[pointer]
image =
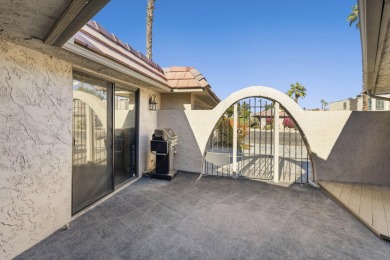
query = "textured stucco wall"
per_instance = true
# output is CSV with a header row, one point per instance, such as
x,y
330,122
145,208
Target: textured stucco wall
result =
x,y
147,125
346,146
175,101
35,147
188,156
361,153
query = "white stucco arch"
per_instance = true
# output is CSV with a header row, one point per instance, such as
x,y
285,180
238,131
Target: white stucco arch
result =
x,y
97,105
321,129
256,91
291,107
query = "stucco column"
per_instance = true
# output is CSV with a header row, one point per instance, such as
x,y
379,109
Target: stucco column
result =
x,y
235,123
373,104
276,140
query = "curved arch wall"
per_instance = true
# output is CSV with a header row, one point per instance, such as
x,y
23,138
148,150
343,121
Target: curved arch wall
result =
x,y
345,146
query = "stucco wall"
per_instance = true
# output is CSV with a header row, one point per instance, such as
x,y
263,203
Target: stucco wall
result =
x,y
361,153
339,105
346,146
188,156
147,125
35,147
175,101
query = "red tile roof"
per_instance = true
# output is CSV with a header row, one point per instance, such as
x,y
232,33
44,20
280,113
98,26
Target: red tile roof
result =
x,y
100,41
270,113
185,78
111,47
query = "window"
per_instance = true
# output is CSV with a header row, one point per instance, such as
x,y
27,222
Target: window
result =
x,y
92,141
369,104
379,104
345,105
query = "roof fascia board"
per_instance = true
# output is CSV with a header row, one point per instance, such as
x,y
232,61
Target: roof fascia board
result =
x,y
113,65
187,90
213,96
86,31
370,16
96,74
381,41
78,13
122,57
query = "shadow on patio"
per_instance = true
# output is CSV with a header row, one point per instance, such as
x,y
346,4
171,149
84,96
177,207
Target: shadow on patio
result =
x,y
214,218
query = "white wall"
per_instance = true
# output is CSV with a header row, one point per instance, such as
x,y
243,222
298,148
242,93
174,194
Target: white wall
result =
x,y
35,147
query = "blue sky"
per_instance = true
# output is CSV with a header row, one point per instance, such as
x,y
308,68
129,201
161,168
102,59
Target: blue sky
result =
x,y
236,44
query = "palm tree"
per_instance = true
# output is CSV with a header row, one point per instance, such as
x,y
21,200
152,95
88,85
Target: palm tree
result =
x,y
297,90
149,27
324,104
353,18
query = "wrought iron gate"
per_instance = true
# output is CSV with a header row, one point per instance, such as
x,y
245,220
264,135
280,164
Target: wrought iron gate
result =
x,y
87,127
262,139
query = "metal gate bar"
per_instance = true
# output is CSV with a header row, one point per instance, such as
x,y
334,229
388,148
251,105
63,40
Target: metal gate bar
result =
x,y
256,144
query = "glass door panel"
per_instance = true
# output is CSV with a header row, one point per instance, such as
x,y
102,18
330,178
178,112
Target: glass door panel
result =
x,y
92,141
125,135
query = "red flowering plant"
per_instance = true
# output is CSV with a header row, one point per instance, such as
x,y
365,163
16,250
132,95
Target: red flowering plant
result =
x,y
288,122
269,121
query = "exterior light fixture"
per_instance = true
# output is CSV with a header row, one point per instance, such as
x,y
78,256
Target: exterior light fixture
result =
x,y
152,102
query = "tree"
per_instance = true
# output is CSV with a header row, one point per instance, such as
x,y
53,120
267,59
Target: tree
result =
x,y
244,110
297,90
324,104
269,106
353,18
149,28
229,112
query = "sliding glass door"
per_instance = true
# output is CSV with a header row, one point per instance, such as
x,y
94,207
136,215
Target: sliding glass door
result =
x,y
104,138
125,135
92,141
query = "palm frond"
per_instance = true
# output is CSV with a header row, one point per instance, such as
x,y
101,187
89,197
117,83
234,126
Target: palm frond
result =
x,y
353,17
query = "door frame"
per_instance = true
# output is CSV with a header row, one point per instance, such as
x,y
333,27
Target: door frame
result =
x,y
111,85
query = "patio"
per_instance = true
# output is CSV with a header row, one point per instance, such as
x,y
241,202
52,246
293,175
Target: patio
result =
x,y
369,203
214,218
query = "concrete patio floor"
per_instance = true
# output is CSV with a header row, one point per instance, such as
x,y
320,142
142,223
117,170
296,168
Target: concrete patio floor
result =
x,y
215,218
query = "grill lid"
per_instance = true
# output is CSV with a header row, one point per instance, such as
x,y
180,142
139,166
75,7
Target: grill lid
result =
x,y
166,133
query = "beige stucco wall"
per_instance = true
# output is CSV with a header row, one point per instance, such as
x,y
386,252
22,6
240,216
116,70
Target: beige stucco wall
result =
x,y
188,156
339,105
147,125
356,104
361,153
334,137
35,147
175,101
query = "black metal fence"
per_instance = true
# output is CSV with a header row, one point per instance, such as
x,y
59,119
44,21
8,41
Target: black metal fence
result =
x,y
256,144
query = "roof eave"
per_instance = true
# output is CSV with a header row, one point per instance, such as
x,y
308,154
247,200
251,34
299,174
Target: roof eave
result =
x,y
79,50
187,90
370,17
73,18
